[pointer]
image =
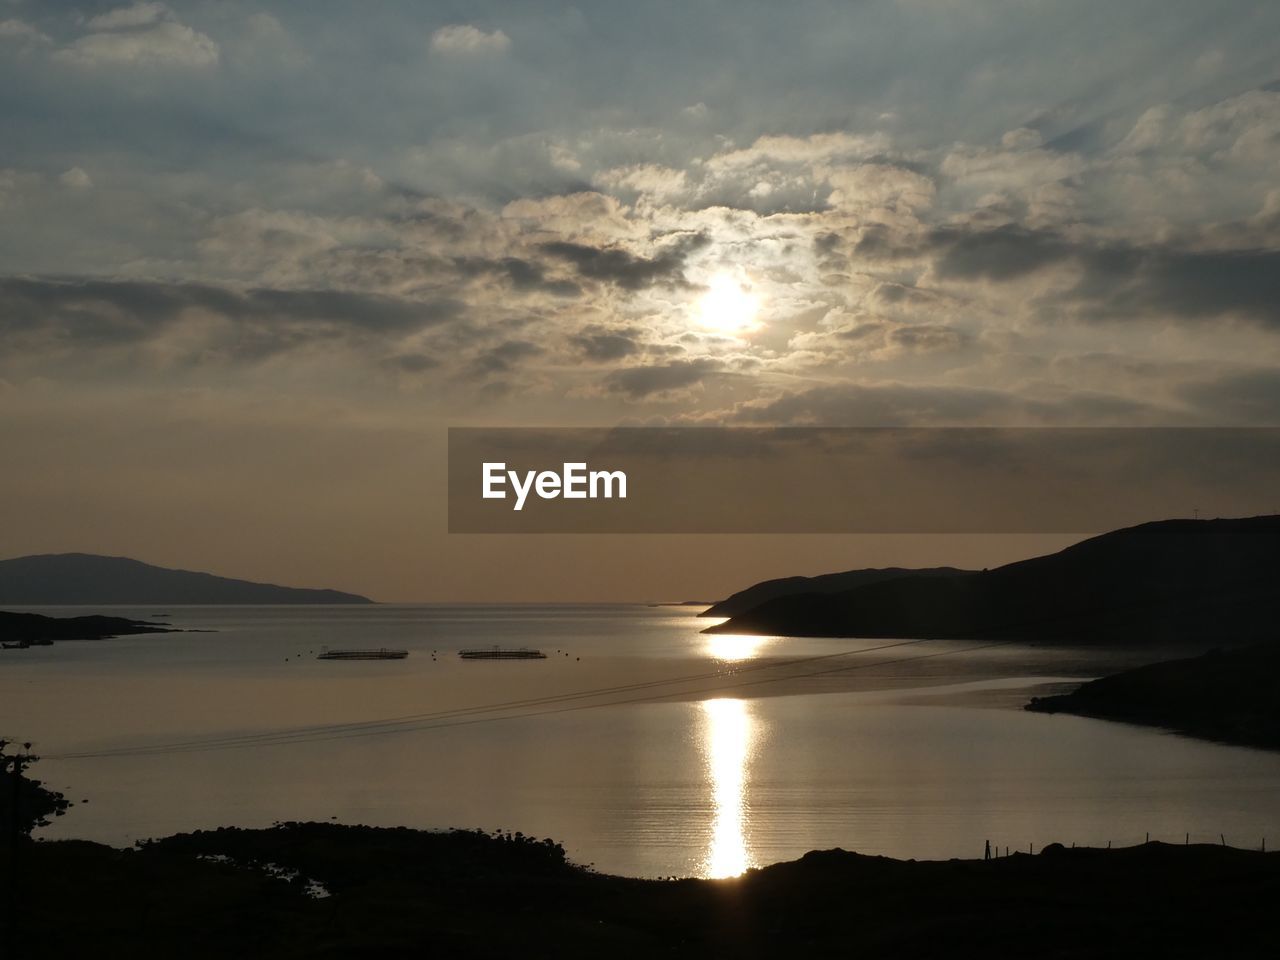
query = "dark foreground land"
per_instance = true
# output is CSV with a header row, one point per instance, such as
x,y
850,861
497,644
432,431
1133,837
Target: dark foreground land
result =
x,y
1228,696
399,893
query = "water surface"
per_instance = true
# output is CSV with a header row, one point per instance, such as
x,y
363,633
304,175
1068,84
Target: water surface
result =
x,y
644,746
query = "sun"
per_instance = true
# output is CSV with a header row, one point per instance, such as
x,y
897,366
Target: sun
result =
x,y
729,306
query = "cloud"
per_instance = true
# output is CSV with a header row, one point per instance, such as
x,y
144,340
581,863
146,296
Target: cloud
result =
x,y
263,41
926,337
1121,280
1019,164
1242,397
602,345
1242,127
966,225
138,15
651,179
523,275
503,357
903,404
1004,253
871,186
22,32
879,405
144,34
413,362
623,268
53,314
817,148
466,40
76,178
638,383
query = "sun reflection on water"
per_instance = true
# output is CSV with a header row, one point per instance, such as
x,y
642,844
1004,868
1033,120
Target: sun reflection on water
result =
x,y
732,647
730,733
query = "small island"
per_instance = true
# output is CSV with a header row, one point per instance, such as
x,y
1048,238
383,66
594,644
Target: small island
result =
x,y
22,630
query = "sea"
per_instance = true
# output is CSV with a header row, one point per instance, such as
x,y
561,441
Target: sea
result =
x,y
643,745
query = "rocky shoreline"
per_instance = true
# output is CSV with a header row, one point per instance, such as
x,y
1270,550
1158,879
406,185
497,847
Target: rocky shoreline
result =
x,y
1224,695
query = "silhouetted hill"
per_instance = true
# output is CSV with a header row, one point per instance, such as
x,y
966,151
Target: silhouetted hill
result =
x,y
1170,581
753,596
83,578
1223,695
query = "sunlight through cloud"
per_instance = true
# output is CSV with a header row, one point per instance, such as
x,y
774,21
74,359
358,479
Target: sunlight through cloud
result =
x,y
730,305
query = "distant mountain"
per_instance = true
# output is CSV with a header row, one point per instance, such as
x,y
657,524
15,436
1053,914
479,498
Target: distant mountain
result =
x,y
753,596
1167,582
82,578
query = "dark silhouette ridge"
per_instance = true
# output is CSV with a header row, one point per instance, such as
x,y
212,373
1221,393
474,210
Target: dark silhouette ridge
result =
x,y
758,593
28,803
1168,582
1229,696
31,629
395,892
83,578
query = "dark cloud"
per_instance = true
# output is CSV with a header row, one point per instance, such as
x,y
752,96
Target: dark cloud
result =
x,y
413,362
1123,281
90,311
523,275
640,382
601,344
1004,253
625,269
876,241
879,405
826,243
503,357
895,294
929,336
365,310
1118,281
1250,397
861,331
900,404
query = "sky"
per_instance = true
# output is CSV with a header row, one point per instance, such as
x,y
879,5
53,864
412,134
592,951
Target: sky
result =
x,y
255,259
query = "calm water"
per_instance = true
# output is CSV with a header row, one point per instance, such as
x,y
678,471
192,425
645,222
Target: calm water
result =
x,y
645,747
